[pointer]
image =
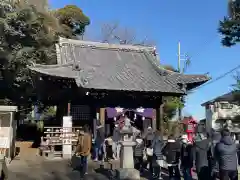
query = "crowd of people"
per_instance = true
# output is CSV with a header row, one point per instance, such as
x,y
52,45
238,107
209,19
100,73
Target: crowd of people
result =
x,y
211,156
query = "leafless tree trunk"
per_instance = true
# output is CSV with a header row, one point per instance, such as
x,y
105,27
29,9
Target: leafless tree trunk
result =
x,y
114,33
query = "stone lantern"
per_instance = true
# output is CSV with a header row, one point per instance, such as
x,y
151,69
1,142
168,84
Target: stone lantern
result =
x,y
127,170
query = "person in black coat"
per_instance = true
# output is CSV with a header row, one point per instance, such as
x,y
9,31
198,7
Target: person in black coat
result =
x,y
226,155
148,136
148,139
138,153
100,144
187,159
201,148
157,160
172,153
213,164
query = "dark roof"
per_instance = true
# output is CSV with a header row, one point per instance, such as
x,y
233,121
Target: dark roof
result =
x,y
202,121
191,81
115,67
229,97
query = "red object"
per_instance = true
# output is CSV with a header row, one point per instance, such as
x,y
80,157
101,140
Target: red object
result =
x,y
189,127
121,122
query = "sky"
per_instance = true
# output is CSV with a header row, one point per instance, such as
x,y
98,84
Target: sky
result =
x,y
166,22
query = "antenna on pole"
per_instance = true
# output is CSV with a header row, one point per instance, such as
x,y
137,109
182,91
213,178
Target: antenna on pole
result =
x,y
182,68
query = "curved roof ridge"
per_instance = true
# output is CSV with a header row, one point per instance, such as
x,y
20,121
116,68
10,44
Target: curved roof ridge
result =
x,y
176,77
93,44
50,66
161,71
180,74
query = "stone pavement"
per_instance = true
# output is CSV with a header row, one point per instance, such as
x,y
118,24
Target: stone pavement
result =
x,y
58,169
39,169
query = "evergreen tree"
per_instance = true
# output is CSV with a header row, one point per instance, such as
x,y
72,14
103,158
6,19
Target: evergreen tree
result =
x,y
229,27
28,36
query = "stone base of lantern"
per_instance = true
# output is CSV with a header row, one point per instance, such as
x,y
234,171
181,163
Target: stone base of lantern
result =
x,y
126,170
128,174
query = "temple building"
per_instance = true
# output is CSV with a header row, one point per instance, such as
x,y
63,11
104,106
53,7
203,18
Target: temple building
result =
x,y
91,76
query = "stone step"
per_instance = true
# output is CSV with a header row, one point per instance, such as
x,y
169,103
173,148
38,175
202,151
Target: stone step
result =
x,y
26,150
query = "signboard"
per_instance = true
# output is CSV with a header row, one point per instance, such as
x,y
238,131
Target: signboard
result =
x,y
67,130
190,127
4,142
67,137
67,121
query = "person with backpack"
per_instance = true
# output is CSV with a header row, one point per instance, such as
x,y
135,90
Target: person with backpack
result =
x,y
83,149
226,155
186,158
172,153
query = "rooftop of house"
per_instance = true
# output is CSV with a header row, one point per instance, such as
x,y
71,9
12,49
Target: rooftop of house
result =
x,y
228,97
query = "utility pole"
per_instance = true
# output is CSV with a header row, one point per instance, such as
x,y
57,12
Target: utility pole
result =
x,y
180,71
182,57
179,57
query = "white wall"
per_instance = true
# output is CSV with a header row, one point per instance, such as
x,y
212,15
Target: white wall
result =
x,y
228,113
217,111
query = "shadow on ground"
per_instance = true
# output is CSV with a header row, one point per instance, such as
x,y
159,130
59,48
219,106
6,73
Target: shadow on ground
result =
x,y
55,176
111,174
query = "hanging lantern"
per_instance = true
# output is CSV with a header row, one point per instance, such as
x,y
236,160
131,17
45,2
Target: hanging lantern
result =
x,y
119,110
140,110
135,117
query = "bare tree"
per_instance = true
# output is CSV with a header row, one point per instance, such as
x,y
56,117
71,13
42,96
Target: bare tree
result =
x,y
114,33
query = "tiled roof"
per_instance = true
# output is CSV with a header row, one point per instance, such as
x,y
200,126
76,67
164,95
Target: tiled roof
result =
x,y
115,67
229,97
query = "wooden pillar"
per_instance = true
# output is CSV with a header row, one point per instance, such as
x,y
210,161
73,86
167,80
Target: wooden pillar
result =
x,y
154,120
159,118
69,109
102,116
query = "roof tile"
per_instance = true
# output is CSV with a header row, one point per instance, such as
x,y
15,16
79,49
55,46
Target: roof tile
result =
x,y
115,67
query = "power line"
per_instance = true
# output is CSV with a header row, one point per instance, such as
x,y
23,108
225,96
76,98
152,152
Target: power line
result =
x,y
207,43
219,77
203,46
